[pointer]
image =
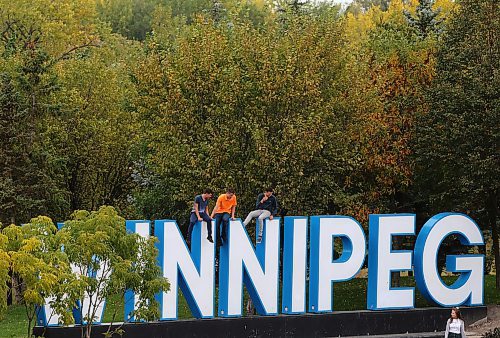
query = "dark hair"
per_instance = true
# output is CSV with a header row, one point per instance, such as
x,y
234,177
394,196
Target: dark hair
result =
x,y
457,312
269,189
208,191
230,190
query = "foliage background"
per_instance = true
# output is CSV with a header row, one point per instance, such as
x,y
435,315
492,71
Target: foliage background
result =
x,y
380,107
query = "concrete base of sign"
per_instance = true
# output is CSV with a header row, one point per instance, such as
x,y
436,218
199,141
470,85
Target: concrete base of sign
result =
x,y
335,324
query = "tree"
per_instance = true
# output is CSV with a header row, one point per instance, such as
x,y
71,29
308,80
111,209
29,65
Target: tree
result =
x,y
66,26
27,83
457,144
133,18
97,243
33,45
42,267
363,6
244,106
65,120
94,133
4,273
394,67
426,20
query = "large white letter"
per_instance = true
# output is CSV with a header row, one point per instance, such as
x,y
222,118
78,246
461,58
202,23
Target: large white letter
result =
x,y
324,270
192,272
382,260
46,316
294,265
258,270
468,288
141,228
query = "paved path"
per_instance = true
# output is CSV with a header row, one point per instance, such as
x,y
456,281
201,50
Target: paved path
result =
x,y
416,335
404,335
475,331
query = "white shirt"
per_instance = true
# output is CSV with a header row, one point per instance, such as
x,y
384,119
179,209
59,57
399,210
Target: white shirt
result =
x,y
455,326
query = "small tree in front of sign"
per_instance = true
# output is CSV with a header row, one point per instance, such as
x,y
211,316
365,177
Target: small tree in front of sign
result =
x,y
109,261
36,258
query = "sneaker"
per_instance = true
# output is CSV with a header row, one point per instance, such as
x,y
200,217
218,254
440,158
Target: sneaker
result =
x,y
210,239
259,239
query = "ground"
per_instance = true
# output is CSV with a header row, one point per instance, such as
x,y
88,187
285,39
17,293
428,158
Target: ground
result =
x,y
484,326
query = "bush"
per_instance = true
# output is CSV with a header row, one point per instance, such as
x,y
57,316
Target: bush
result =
x,y
495,333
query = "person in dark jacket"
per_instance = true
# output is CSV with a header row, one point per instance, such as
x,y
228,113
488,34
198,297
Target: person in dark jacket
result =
x,y
266,207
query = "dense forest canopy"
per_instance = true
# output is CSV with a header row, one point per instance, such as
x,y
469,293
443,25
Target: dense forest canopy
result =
x,y
377,107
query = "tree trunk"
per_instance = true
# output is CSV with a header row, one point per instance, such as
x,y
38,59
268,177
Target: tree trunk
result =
x,y
17,294
496,253
492,218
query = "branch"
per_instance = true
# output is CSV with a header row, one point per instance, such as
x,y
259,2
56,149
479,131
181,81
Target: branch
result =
x,y
66,54
97,294
30,36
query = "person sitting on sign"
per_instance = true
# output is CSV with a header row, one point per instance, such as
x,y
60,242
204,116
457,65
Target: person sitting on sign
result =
x,y
200,213
223,211
266,207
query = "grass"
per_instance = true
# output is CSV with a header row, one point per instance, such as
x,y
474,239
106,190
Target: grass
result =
x,y
15,324
348,296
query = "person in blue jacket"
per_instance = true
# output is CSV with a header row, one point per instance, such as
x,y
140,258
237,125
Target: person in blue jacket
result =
x,y
266,207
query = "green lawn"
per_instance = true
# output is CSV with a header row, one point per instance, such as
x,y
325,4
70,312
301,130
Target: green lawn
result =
x,y
15,324
349,295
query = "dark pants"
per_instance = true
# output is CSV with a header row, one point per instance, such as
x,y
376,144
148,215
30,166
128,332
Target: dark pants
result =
x,y
222,218
192,221
454,335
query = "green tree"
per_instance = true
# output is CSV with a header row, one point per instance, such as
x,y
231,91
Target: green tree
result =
x,y
248,107
362,6
29,178
66,124
37,38
96,128
98,242
426,20
394,67
64,27
457,149
133,18
42,267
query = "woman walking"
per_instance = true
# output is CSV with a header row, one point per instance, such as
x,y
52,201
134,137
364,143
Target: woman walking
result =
x,y
455,326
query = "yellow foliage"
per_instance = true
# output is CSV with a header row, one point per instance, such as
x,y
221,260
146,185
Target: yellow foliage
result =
x,y
259,3
64,24
448,7
31,244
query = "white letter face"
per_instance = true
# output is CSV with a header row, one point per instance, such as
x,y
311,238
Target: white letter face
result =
x,y
46,316
239,264
141,228
324,270
468,288
294,265
382,260
192,271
